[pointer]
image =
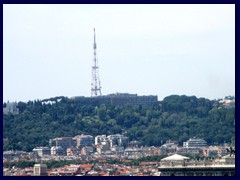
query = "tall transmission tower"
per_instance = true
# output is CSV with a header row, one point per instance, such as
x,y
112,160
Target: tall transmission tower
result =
x,y
95,86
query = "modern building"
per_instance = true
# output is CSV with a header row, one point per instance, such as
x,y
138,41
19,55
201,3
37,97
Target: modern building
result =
x,y
84,140
193,151
42,151
64,142
216,151
72,151
57,150
102,144
195,143
87,150
118,140
119,99
40,170
100,138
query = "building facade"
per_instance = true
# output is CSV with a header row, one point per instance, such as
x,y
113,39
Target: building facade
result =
x,y
57,150
64,142
11,107
42,151
84,140
177,165
40,170
117,140
195,143
119,99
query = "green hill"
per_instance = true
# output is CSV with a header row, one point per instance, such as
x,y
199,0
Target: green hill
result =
x,y
176,117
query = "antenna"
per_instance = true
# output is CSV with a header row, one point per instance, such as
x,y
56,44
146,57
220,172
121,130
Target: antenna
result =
x,y
95,86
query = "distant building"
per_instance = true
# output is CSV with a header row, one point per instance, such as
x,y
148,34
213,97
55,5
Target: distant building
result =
x,y
118,140
103,146
195,143
57,150
100,138
40,170
41,151
193,151
133,144
119,150
10,155
84,140
133,100
64,142
87,150
11,107
228,102
169,147
72,151
104,143
133,153
222,151
119,99
177,165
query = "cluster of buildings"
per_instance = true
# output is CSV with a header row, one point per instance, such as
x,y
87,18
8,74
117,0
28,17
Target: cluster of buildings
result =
x,y
173,165
212,160
117,99
98,169
117,146
194,146
84,145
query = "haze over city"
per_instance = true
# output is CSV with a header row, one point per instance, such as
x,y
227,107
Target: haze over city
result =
x,y
144,49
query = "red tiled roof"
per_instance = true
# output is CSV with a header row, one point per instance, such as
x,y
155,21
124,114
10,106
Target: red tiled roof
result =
x,y
105,175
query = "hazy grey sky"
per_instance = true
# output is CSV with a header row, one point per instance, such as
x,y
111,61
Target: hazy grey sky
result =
x,y
144,49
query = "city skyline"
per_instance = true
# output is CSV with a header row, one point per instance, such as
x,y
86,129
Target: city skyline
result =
x,y
145,49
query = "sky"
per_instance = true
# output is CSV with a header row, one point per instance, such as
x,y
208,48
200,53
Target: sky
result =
x,y
162,50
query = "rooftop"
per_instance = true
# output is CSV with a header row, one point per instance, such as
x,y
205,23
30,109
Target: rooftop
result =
x,y
175,157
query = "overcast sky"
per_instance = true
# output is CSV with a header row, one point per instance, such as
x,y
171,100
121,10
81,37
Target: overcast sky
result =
x,y
145,49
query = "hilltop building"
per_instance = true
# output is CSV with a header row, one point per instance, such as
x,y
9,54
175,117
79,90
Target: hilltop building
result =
x,y
11,107
119,99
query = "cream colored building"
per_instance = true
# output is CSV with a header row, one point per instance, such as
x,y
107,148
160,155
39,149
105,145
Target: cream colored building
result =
x,y
177,165
40,170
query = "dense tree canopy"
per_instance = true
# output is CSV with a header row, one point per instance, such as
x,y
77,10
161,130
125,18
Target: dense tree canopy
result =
x,y
177,118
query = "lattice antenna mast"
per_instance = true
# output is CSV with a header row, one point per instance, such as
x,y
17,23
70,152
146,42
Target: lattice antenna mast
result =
x,y
96,88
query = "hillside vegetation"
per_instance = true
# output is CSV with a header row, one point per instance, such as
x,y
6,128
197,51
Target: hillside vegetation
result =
x,y
176,117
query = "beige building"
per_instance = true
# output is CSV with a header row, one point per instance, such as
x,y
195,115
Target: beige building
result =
x,y
40,170
177,165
